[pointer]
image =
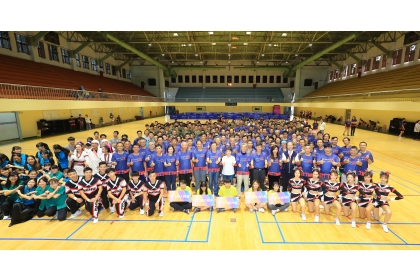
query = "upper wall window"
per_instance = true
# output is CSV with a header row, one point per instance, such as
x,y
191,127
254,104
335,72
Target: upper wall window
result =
x,y
5,40
22,43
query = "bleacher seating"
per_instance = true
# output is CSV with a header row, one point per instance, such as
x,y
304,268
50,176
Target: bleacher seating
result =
x,y
26,72
401,79
229,94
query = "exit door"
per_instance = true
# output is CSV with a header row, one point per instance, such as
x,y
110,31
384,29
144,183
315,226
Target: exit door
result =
x,y
141,111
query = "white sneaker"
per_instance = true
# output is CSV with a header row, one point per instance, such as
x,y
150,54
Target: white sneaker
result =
x,y
251,210
6,217
55,216
353,224
261,210
321,206
141,211
77,213
95,221
316,218
385,227
285,210
273,212
161,214
382,211
121,216
303,217
111,209
337,222
368,225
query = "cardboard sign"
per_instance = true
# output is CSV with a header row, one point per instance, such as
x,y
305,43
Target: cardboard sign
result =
x,y
256,197
179,196
227,202
202,200
278,198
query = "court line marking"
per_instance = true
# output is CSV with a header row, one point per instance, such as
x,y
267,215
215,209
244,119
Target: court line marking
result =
x,y
149,221
189,227
99,240
333,223
413,169
278,226
340,243
208,231
396,158
259,227
395,234
78,228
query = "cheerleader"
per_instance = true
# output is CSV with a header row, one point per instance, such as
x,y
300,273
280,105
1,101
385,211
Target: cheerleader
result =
x,y
56,200
382,191
348,192
314,188
117,191
296,185
366,191
4,161
78,159
41,146
329,190
18,150
103,177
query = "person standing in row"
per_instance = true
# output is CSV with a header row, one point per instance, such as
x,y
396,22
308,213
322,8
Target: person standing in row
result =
x,y
417,130
353,125
259,163
200,166
288,158
185,164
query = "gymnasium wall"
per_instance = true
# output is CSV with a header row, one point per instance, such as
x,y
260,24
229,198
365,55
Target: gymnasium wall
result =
x,y
220,107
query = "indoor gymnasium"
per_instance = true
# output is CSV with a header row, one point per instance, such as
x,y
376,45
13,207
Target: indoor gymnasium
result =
x,y
210,139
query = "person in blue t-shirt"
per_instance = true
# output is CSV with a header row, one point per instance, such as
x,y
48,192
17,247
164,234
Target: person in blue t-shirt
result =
x,y
365,158
171,162
306,162
62,156
136,162
119,160
326,161
214,157
350,164
274,167
200,164
25,209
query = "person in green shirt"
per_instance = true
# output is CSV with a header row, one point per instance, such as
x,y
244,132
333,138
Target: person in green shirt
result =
x,y
56,173
9,194
203,190
277,207
57,200
227,191
40,196
182,206
255,206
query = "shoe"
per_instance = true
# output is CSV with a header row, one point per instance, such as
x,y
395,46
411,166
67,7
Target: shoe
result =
x,y
222,210
95,220
251,210
382,211
234,210
55,216
111,210
303,217
161,214
141,211
5,217
337,222
353,224
217,210
316,218
321,207
368,225
273,212
385,227
197,210
77,213
186,211
285,210
261,210
121,216
211,208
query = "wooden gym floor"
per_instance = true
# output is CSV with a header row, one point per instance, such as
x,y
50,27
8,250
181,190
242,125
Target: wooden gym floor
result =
x,y
243,230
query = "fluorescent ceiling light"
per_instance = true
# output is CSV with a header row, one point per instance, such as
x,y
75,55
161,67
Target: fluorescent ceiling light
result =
x,y
284,34
175,34
248,33
211,32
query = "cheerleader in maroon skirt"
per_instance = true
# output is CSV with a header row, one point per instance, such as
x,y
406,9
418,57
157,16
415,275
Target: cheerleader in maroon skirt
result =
x,y
365,199
314,188
296,186
329,190
348,192
382,191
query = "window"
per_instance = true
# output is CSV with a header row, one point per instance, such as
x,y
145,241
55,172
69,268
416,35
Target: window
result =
x,y
285,80
353,69
229,79
200,79
397,57
124,73
214,79
85,61
5,40
257,79
376,62
207,79
236,79
194,79
264,79
180,79
384,58
113,70
243,79
21,43
409,53
187,79
251,79
367,64
128,74
108,68
41,49
173,80
53,52
94,66
331,75
222,79
52,37
278,79
346,71
335,74
271,80
65,56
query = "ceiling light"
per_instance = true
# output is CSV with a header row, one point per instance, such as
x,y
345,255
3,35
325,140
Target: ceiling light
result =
x,y
248,33
163,54
284,34
175,34
287,61
269,45
228,61
233,47
258,62
196,54
235,38
245,44
201,62
183,45
276,45
296,54
262,54
189,45
150,45
310,44
172,61
213,44
211,32
228,54
229,45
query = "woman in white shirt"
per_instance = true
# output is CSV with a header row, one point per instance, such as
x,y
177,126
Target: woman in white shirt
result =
x,y
78,159
322,126
106,156
228,162
417,130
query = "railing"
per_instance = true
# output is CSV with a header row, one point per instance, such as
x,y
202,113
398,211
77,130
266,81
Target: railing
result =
x,y
234,99
412,94
14,91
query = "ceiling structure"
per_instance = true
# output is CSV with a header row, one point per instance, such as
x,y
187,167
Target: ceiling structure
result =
x,y
289,49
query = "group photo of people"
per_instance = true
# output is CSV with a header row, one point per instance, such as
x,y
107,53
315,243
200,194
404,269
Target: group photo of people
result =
x,y
322,174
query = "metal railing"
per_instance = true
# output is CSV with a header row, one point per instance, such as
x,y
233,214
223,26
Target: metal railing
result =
x,y
15,91
412,94
233,99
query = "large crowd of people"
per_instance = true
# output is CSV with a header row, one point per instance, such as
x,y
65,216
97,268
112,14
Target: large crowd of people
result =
x,y
224,158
